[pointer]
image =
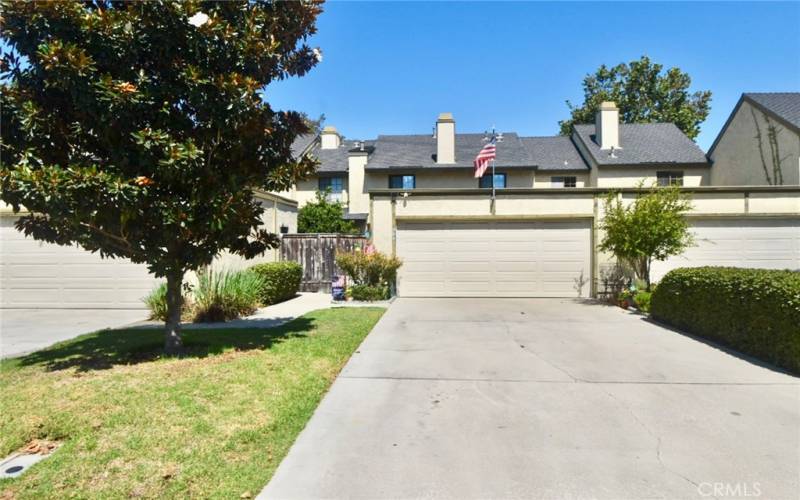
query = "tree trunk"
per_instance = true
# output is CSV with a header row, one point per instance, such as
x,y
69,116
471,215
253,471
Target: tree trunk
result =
x,y
173,344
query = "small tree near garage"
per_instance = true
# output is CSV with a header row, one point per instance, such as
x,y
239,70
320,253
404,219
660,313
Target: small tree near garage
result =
x,y
139,130
653,227
324,216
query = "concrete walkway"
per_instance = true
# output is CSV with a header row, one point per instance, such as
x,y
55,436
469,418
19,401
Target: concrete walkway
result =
x,y
545,399
276,315
27,330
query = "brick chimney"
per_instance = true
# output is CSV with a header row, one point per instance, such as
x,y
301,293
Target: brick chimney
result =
x,y
606,126
330,138
445,139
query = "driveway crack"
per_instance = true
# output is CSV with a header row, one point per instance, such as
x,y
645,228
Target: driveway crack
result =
x,y
654,436
539,356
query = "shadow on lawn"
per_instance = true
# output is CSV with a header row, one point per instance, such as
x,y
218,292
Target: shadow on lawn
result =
x,y
106,348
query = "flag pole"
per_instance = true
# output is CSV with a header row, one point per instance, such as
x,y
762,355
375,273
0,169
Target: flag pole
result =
x,y
492,179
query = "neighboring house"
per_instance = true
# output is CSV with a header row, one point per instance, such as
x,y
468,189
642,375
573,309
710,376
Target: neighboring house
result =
x,y
760,142
538,238
35,274
607,154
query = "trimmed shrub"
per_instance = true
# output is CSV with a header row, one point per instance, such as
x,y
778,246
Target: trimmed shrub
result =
x,y
368,293
281,280
369,269
756,311
224,295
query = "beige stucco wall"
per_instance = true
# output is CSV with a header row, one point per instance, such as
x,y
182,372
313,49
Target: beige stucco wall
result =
x,y
606,177
461,178
276,213
306,191
544,179
737,161
358,197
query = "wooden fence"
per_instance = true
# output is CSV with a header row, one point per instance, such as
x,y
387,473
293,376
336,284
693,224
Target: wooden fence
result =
x,y
317,253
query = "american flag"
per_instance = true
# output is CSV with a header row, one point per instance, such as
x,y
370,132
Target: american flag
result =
x,y
486,155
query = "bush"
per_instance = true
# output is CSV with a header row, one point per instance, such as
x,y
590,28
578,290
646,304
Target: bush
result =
x,y
281,280
368,293
756,311
324,216
225,295
156,301
642,301
374,269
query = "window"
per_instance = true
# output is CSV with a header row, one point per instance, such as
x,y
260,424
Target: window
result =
x,y
336,186
670,178
402,182
499,180
569,181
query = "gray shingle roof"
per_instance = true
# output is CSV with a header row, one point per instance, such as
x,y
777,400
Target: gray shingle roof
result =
x,y
644,143
554,153
335,160
651,143
418,151
301,144
786,105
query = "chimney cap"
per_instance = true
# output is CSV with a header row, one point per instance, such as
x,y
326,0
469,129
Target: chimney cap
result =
x,y
330,129
609,105
445,117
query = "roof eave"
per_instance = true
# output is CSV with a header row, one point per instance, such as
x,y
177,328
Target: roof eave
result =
x,y
687,164
444,167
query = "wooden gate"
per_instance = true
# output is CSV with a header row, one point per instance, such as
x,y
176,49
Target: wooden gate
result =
x,y
317,254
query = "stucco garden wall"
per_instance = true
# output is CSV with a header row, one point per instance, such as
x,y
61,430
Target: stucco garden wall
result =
x,y
555,204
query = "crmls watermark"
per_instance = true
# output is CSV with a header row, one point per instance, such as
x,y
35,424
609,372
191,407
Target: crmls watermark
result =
x,y
729,490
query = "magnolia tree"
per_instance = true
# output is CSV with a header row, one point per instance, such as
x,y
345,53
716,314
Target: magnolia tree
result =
x,y
139,130
652,227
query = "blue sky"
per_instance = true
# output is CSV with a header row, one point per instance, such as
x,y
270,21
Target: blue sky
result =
x,y
392,67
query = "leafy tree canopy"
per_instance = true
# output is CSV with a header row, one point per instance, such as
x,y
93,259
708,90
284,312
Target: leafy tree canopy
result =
x,y
644,93
652,227
324,216
139,129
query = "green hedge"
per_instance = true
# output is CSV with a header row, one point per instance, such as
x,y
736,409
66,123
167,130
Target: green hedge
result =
x,y
368,293
282,281
756,311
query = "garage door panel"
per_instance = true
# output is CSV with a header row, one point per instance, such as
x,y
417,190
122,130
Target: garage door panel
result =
x,y
495,259
516,267
44,275
753,243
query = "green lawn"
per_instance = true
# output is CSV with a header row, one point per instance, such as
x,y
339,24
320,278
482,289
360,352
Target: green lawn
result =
x,y
213,424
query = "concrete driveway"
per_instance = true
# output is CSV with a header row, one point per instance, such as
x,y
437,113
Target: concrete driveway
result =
x,y
26,330
507,398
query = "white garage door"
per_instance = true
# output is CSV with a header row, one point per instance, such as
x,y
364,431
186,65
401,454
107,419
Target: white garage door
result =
x,y
494,259
763,243
40,275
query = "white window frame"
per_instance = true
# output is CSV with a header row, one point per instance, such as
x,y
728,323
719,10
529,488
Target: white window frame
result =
x,y
560,181
669,178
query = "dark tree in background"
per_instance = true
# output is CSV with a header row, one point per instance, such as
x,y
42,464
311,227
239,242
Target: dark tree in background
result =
x,y
139,129
644,93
